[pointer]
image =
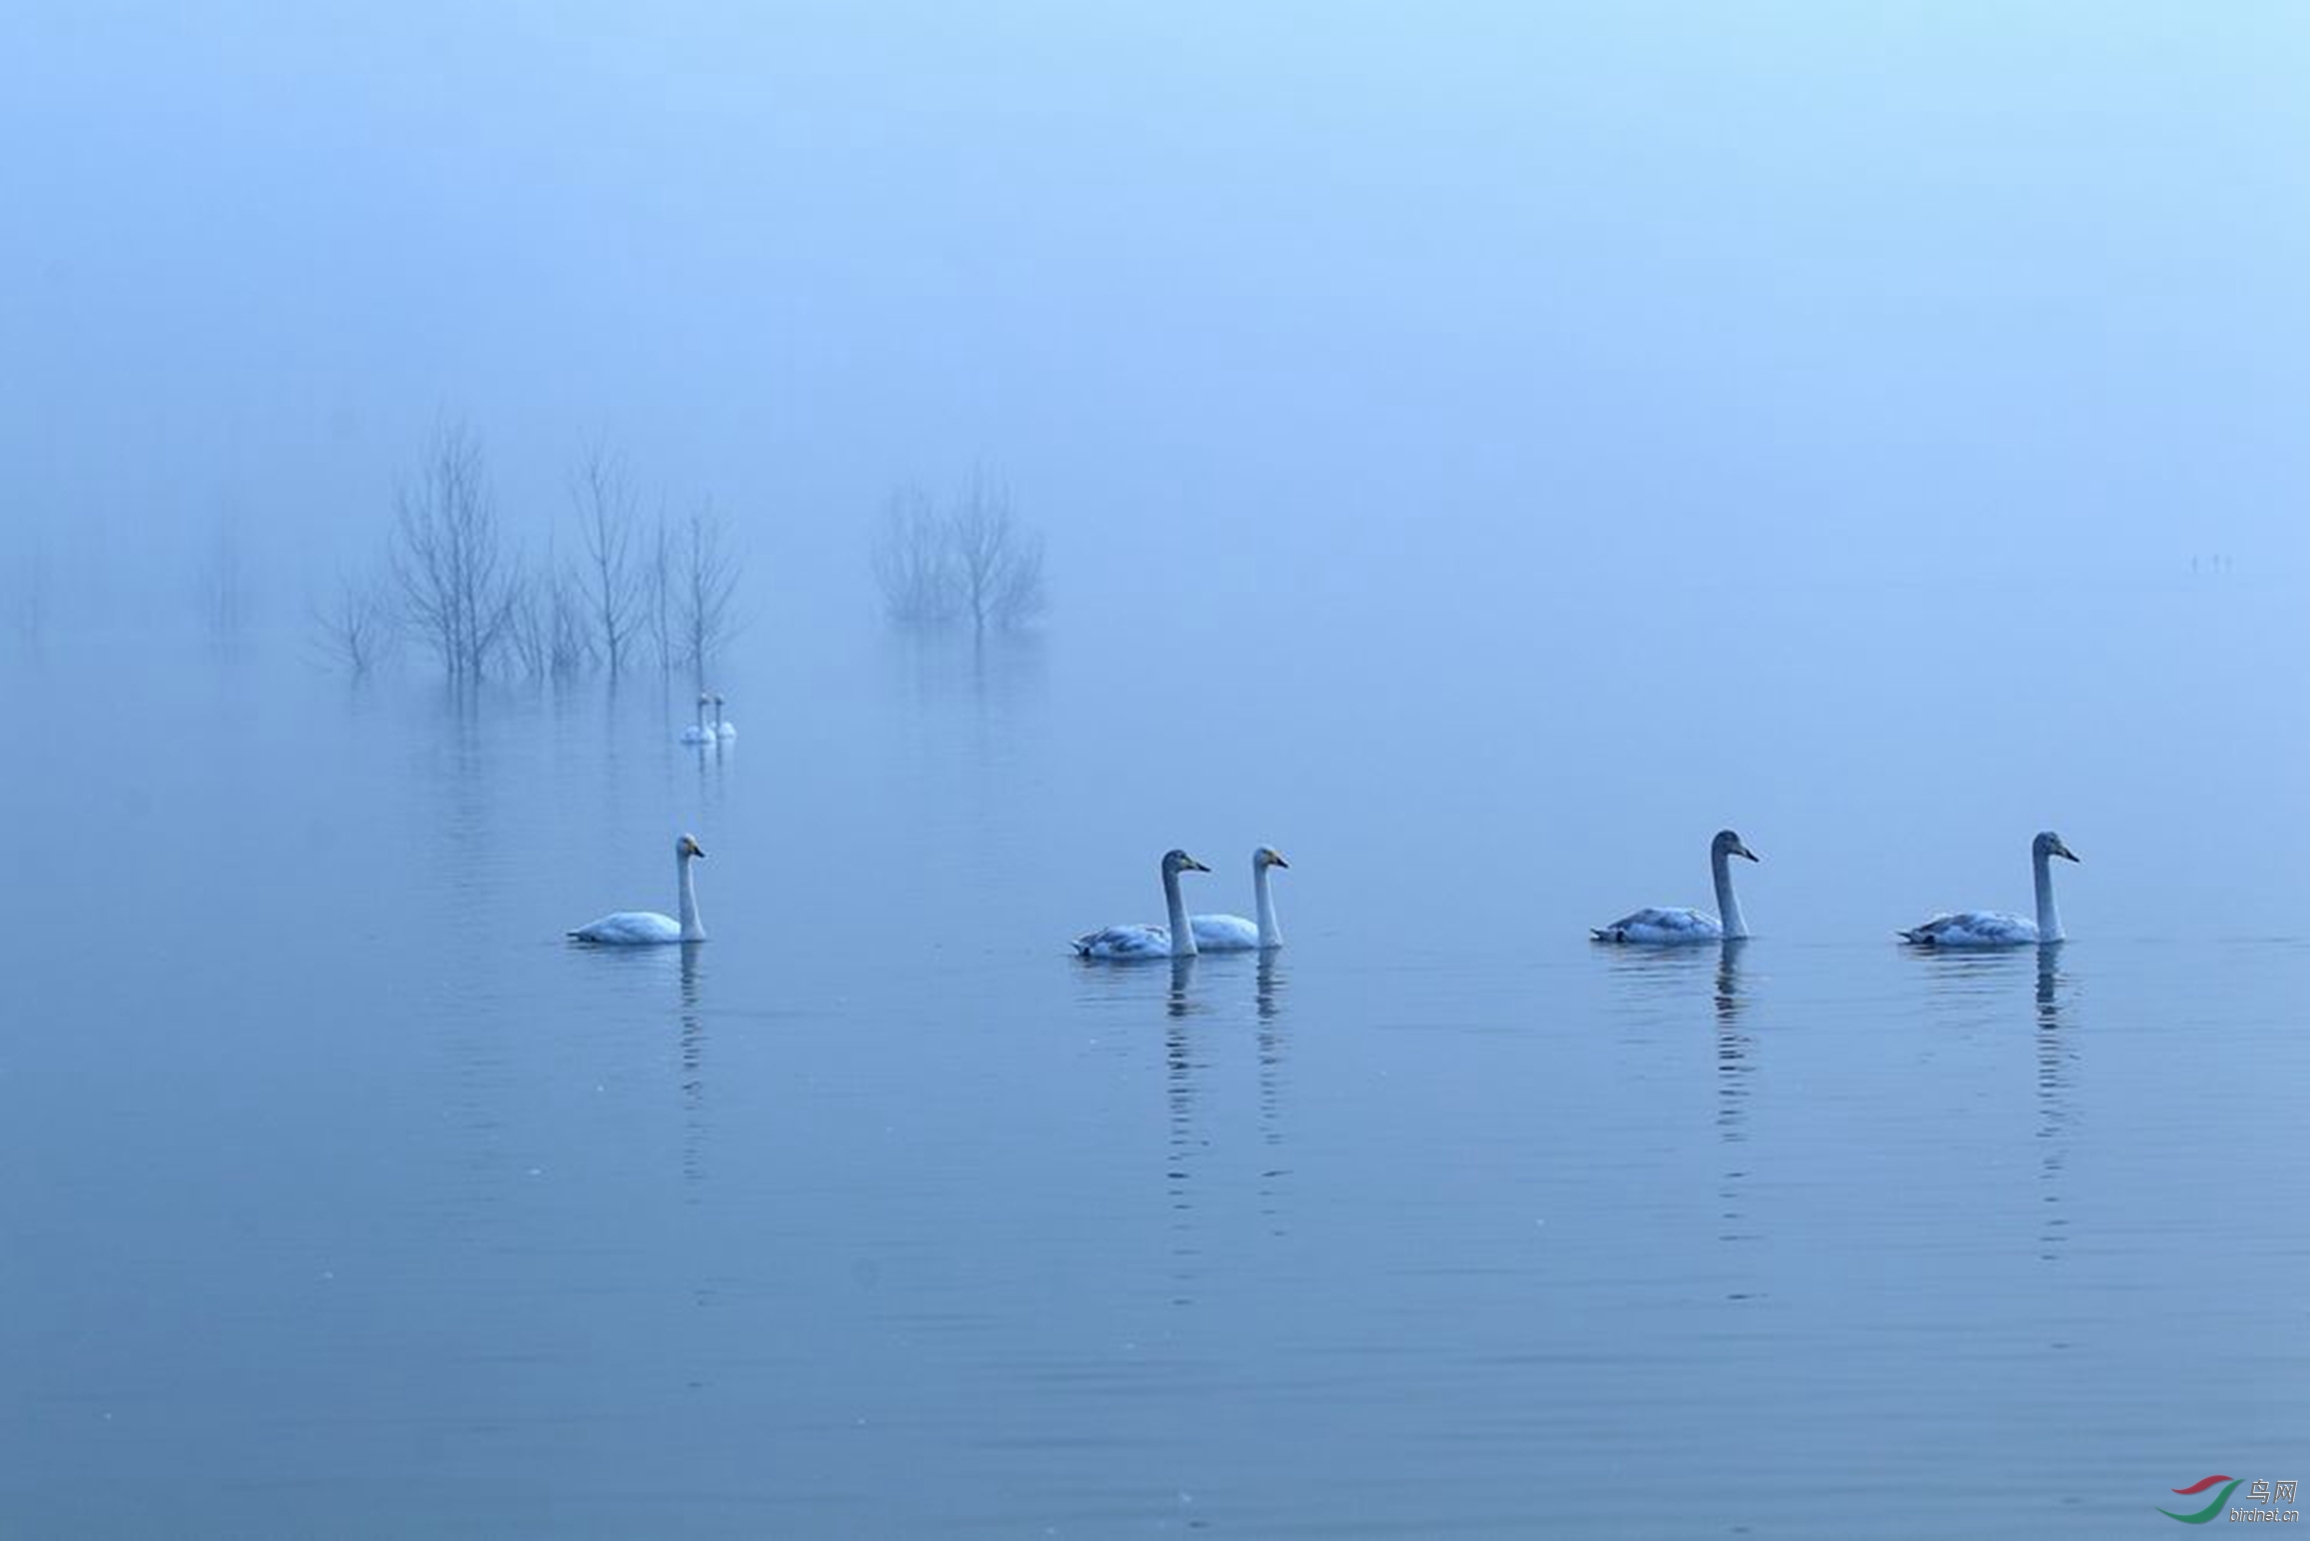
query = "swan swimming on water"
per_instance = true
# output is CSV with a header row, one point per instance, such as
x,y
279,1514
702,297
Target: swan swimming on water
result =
x,y
722,727
699,732
637,928
1995,928
1232,933
1150,941
1657,927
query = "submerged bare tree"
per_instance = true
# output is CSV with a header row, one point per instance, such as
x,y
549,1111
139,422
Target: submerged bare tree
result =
x,y
29,597
615,587
550,632
706,600
998,562
910,560
354,627
975,561
456,586
657,587
222,581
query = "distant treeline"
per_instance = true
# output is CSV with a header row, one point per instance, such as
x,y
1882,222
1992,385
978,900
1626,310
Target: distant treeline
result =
x,y
660,590
969,561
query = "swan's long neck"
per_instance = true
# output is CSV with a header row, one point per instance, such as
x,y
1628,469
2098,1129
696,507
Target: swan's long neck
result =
x,y
2048,918
693,930
1728,907
1270,933
1182,932
717,716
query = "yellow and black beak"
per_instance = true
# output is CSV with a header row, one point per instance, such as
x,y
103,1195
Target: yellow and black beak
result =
x,y
1275,859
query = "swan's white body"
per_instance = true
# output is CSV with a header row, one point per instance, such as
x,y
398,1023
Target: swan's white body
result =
x,y
1996,928
723,728
699,732
1150,941
1669,927
641,928
1232,933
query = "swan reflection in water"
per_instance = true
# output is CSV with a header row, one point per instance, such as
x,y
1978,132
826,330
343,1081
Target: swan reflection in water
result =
x,y
2057,1055
1734,1049
1267,1001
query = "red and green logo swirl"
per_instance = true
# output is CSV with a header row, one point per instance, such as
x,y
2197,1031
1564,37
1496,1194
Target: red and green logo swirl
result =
x,y
2211,1509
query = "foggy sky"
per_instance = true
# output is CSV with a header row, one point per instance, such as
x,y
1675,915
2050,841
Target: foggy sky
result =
x,y
1592,285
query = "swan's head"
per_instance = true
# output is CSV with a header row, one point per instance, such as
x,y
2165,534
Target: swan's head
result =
x,y
1267,856
1727,843
685,848
705,699
2049,844
720,699
1176,862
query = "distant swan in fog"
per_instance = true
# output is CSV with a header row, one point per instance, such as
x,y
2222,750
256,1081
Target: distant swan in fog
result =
x,y
1232,933
699,732
1662,927
1994,928
722,727
1150,941
635,928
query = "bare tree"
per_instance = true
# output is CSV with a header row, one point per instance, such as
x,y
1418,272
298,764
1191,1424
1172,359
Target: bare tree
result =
x,y
525,624
657,584
550,633
456,586
997,562
31,597
570,646
614,579
222,581
354,627
706,601
911,561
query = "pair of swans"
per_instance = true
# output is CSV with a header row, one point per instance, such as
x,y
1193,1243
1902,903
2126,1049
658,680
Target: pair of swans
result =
x,y
714,732
647,928
1187,935
1966,928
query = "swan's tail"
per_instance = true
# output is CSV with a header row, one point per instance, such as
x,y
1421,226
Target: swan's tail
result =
x,y
1606,934
1920,936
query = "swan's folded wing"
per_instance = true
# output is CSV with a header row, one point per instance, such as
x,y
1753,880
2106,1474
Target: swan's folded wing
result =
x,y
1225,933
1658,925
629,927
1125,942
1973,928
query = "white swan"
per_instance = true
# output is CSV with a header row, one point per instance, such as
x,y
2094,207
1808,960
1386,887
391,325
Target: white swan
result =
x,y
1662,927
722,728
638,928
698,732
1994,928
1150,941
1232,933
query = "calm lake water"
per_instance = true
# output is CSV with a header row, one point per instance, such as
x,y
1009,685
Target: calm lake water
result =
x,y
342,1197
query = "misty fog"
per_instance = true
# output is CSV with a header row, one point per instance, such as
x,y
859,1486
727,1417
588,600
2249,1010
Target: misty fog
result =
x,y
1479,450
